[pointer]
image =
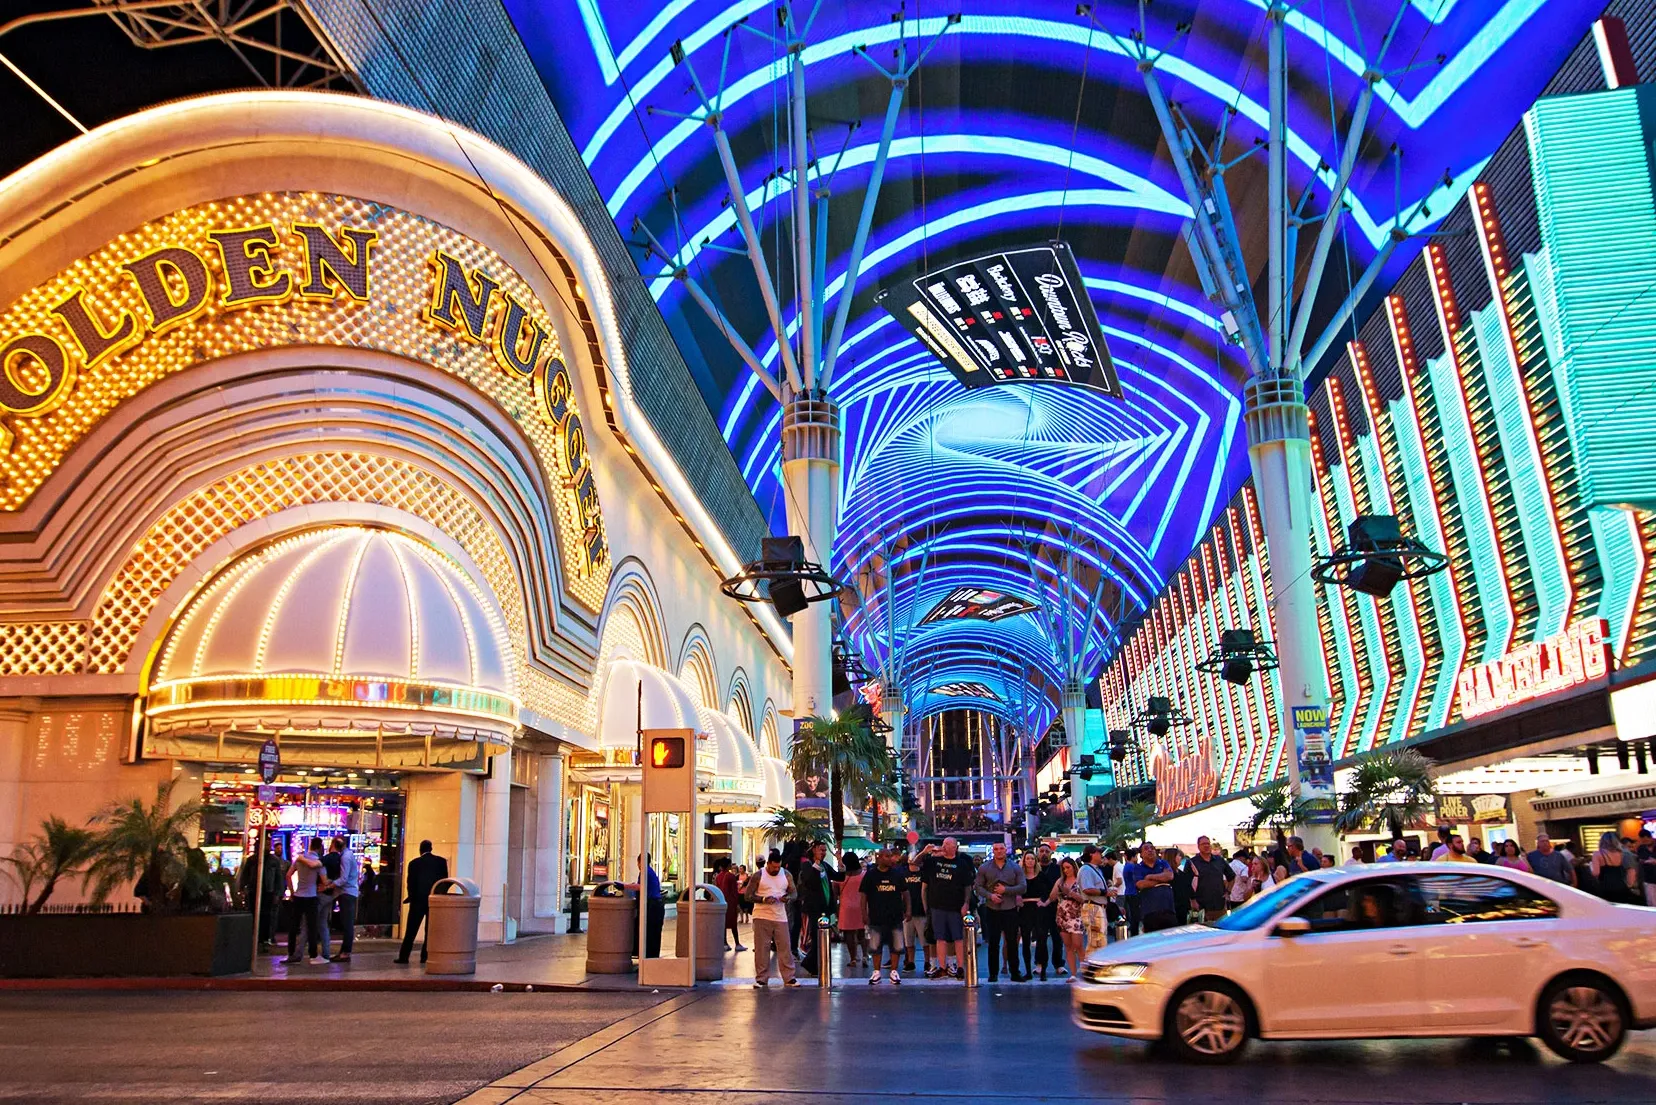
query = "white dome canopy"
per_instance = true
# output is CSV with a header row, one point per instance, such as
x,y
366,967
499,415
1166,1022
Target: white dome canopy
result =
x,y
343,603
735,754
639,695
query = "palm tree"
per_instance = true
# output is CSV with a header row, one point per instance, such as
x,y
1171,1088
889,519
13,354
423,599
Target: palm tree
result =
x,y
149,842
800,825
1395,789
1275,807
1129,825
57,850
858,763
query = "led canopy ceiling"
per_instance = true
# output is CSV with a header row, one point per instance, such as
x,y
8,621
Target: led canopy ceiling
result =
x,y
1027,122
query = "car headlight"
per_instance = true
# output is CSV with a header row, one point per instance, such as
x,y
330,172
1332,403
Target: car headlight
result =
x,y
1101,974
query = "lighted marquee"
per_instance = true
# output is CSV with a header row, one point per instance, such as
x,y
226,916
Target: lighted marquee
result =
x,y
282,269
1574,658
1023,315
965,689
977,602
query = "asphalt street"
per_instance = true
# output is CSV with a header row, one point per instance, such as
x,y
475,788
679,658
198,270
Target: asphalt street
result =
x,y
720,1046
269,1048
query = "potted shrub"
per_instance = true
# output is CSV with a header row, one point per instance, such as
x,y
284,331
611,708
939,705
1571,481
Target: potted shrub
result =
x,y
182,927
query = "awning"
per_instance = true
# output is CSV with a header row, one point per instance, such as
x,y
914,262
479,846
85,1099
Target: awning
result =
x,y
731,757
779,784
665,704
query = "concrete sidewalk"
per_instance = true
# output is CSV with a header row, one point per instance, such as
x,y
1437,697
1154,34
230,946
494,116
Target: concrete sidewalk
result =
x,y
541,962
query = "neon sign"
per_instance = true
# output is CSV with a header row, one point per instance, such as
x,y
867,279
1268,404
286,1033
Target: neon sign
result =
x,y
1579,655
1182,784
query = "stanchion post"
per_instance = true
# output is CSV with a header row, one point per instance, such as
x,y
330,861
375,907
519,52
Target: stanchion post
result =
x,y
825,953
258,893
969,968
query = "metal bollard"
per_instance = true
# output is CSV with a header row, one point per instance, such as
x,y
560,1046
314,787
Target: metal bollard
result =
x,y
825,953
968,947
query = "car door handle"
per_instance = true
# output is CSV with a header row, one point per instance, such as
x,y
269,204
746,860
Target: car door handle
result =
x,y
1400,949
1527,942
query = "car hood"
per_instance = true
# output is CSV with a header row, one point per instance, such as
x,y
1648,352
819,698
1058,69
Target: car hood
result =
x,y
1151,945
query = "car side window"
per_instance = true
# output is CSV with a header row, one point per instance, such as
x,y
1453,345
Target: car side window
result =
x,y
1469,899
1369,904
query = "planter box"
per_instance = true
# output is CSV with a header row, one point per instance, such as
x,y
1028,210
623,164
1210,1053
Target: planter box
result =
x,y
100,945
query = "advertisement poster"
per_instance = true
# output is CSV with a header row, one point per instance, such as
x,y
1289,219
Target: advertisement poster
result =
x,y
1316,770
811,788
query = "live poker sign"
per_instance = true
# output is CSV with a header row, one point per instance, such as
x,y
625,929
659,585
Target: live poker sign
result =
x,y
1013,317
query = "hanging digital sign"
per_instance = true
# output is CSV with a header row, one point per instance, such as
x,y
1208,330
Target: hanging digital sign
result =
x,y
1020,316
964,690
977,602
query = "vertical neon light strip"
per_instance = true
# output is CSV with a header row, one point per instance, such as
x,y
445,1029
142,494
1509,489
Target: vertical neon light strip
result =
x,y
1259,733
1466,463
1535,493
1276,753
1338,480
1217,592
1343,644
1381,479
1248,735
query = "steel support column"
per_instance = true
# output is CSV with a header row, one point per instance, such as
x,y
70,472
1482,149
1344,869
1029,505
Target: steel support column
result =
x,y
1074,703
810,469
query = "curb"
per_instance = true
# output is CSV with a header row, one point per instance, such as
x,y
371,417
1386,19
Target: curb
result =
x,y
302,985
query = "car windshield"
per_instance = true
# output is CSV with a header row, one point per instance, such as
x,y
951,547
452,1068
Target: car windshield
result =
x,y
1266,906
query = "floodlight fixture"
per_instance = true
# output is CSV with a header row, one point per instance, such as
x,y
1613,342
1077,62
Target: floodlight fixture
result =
x,y
1376,557
782,577
1238,656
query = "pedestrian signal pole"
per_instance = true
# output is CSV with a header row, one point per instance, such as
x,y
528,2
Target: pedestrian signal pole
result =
x,y
669,776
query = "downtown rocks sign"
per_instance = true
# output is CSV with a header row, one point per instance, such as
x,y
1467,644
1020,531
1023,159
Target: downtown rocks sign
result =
x,y
285,269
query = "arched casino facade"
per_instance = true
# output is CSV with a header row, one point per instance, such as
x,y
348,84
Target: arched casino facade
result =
x,y
316,425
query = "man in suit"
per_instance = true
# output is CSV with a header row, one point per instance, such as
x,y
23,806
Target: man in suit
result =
x,y
424,872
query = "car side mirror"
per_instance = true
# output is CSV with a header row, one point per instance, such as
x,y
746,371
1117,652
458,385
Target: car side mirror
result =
x,y
1292,926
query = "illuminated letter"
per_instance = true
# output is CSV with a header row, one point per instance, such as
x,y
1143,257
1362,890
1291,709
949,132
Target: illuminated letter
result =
x,y
452,286
157,288
325,257
574,443
586,498
95,345
16,394
250,275
509,339
552,389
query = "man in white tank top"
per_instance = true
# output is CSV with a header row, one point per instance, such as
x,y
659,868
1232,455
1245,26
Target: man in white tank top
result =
x,y
770,891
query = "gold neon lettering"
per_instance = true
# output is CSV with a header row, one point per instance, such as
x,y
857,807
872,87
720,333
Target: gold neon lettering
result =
x,y
552,388
96,344
453,287
49,359
329,258
157,274
517,330
250,273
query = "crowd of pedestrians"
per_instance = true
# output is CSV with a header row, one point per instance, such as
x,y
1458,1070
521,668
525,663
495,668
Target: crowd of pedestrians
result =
x,y
898,912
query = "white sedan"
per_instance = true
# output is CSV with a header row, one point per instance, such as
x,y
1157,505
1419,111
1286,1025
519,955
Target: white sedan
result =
x,y
1412,949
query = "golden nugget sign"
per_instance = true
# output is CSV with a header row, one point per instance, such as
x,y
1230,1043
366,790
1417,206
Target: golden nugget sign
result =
x,y
252,273
1179,786
1580,654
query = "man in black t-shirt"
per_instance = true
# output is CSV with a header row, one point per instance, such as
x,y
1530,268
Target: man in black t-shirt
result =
x,y
948,874
1212,877
916,924
882,890
1040,887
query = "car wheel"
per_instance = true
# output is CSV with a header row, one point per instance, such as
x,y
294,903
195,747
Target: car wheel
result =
x,y
1583,1019
1207,1023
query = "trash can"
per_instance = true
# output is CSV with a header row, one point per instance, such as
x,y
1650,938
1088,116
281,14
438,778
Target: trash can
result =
x,y
708,903
451,928
612,929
